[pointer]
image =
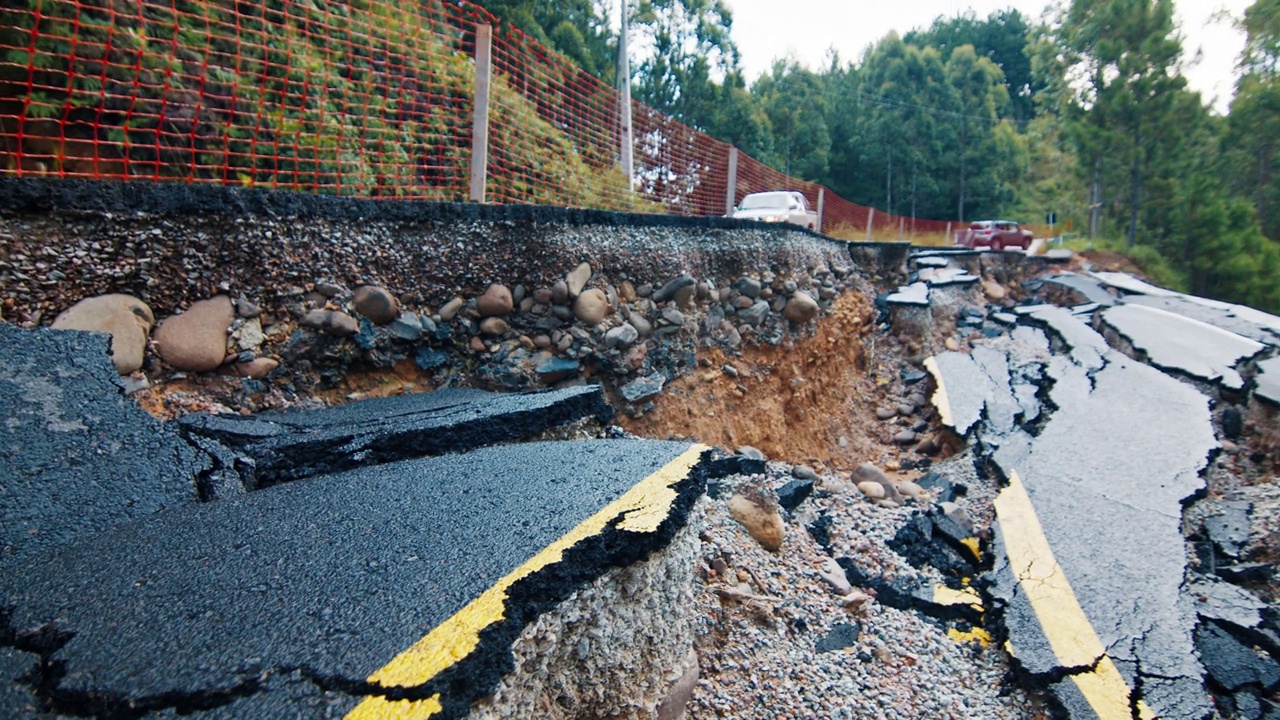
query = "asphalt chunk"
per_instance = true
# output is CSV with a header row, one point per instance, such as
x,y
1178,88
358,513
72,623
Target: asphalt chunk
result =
x,y
336,576
1232,665
297,444
1240,319
962,390
841,636
76,455
973,387
1268,381
1087,347
1091,289
1173,342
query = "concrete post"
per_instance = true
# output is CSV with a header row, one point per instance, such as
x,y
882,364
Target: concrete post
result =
x,y
948,241
871,222
625,140
731,187
821,197
480,122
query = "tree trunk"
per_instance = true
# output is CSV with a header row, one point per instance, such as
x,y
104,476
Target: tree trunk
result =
x,y
888,185
1095,199
1264,179
964,143
1135,185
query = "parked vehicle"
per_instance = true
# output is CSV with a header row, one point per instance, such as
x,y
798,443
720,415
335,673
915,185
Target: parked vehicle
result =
x,y
778,206
995,234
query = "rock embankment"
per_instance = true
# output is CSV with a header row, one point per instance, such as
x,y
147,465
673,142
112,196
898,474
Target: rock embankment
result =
x,y
296,305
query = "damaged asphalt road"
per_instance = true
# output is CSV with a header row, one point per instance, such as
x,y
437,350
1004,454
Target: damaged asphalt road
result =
x,y
139,576
1090,578
310,587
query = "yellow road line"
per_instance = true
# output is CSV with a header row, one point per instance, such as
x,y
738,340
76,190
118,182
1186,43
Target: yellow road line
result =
x,y
642,509
1073,639
940,399
943,595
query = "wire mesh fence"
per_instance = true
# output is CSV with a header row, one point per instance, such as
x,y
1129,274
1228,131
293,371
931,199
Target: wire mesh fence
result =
x,y
371,98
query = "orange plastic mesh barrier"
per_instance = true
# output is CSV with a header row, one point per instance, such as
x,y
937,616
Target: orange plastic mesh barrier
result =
x,y
371,98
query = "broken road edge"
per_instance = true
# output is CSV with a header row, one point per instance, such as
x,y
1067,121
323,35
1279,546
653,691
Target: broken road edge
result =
x,y
464,658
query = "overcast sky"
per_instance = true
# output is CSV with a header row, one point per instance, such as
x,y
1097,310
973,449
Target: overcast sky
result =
x,y
805,29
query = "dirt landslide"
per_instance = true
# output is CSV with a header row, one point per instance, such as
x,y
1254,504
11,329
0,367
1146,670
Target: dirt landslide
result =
x,y
811,401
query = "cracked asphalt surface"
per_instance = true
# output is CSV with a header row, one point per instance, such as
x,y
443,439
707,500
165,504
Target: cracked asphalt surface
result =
x,y
140,578
324,579
1090,575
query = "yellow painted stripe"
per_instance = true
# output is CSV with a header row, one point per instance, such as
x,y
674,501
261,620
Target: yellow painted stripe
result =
x,y
943,595
978,635
940,399
1073,639
641,510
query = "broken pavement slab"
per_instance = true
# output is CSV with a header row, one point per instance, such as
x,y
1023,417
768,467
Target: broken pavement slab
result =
x,y
1174,342
1112,518
1240,319
406,580
76,455
1086,346
1268,381
966,388
1089,288
299,443
914,294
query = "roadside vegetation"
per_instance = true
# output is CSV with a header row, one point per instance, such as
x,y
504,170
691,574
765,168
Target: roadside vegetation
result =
x,y
1084,112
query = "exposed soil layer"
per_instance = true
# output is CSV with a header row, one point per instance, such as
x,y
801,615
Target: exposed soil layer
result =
x,y
812,401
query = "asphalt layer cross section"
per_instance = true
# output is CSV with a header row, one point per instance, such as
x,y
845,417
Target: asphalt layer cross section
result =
x,y
296,444
316,595
76,455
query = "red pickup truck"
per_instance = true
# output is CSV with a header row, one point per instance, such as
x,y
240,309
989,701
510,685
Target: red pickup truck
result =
x,y
995,234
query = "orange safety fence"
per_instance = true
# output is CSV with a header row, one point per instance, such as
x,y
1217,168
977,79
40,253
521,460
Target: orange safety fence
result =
x,y
370,98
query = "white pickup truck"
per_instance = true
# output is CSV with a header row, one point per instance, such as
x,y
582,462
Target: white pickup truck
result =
x,y
778,206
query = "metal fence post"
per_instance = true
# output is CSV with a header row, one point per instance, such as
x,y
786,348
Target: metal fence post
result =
x,y
871,222
480,122
821,196
731,189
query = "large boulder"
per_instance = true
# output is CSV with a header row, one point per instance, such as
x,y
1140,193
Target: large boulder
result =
x,y
495,301
196,340
592,306
125,318
376,303
330,322
577,279
801,308
760,517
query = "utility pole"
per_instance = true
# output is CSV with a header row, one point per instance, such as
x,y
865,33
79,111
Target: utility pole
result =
x,y
624,102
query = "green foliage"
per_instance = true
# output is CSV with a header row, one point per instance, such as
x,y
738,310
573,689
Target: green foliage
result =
x,y
1157,269
792,100
353,98
1001,38
689,46
1262,32
577,29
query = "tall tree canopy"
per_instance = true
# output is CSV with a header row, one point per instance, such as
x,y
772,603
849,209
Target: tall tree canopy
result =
x,y
686,52
1000,38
